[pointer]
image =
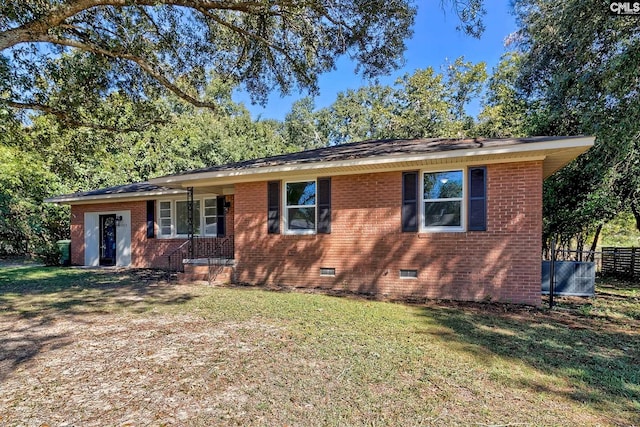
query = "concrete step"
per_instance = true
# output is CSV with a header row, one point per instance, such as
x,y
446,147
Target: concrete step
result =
x,y
220,275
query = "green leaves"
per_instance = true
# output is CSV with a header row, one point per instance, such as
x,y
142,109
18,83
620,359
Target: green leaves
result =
x,y
505,113
48,158
577,74
142,48
422,104
146,48
24,222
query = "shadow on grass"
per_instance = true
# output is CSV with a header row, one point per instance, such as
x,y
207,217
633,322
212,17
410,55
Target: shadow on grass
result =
x,y
20,344
45,291
617,283
33,298
598,362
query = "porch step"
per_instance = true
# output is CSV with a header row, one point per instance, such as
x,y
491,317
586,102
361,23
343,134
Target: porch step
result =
x,y
220,274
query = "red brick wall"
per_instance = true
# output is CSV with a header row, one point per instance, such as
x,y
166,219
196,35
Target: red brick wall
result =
x,y
145,252
367,247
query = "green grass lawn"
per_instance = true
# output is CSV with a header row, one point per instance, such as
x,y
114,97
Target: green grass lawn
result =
x,y
246,356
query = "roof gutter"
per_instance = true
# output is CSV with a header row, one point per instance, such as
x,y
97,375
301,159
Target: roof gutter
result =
x,y
114,196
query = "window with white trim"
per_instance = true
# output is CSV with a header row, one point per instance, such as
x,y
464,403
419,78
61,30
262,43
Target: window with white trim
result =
x,y
300,207
182,214
165,218
442,200
173,217
210,217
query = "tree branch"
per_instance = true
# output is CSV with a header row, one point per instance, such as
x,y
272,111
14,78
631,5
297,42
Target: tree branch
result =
x,y
142,63
57,15
247,34
64,117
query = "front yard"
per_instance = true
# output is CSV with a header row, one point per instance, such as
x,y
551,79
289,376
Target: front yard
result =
x,y
123,347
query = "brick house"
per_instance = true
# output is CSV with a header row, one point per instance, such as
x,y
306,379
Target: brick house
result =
x,y
430,218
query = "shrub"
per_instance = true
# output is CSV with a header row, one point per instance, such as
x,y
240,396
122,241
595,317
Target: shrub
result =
x,y
48,253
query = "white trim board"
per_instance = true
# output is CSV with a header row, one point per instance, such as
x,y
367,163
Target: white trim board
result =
x,y
92,238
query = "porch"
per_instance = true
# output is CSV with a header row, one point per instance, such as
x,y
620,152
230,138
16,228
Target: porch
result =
x,y
202,258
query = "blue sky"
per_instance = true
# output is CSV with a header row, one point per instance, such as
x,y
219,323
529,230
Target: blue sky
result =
x,y
435,42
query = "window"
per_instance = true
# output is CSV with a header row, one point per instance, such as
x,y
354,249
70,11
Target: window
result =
x,y
165,218
442,200
210,217
445,200
182,217
326,271
408,274
300,207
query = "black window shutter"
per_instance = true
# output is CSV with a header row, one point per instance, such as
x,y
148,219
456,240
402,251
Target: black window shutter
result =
x,y
410,201
220,202
324,205
151,219
273,213
477,199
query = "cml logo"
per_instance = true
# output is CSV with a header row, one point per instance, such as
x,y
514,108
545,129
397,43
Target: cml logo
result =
x,y
624,8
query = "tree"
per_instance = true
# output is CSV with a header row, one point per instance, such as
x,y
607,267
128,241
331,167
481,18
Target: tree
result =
x,y
45,158
579,75
52,49
505,111
25,223
138,47
302,127
89,158
434,105
420,105
365,113
465,81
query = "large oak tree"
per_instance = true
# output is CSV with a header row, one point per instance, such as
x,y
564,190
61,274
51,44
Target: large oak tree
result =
x,y
62,56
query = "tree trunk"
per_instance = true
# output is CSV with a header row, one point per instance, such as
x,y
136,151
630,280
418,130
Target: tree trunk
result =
x,y
636,214
579,247
594,244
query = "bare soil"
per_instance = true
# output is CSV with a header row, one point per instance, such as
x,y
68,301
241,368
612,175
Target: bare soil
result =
x,y
101,364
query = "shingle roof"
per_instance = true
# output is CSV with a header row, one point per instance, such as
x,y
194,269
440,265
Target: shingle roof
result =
x,y
373,151
371,148
117,190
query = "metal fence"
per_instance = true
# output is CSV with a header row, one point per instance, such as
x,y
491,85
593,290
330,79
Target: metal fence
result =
x,y
621,262
200,247
568,272
570,255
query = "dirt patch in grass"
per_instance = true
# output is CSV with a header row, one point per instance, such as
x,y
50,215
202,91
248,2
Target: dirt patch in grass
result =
x,y
125,347
119,370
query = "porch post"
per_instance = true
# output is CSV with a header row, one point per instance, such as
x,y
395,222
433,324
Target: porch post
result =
x,y
190,220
